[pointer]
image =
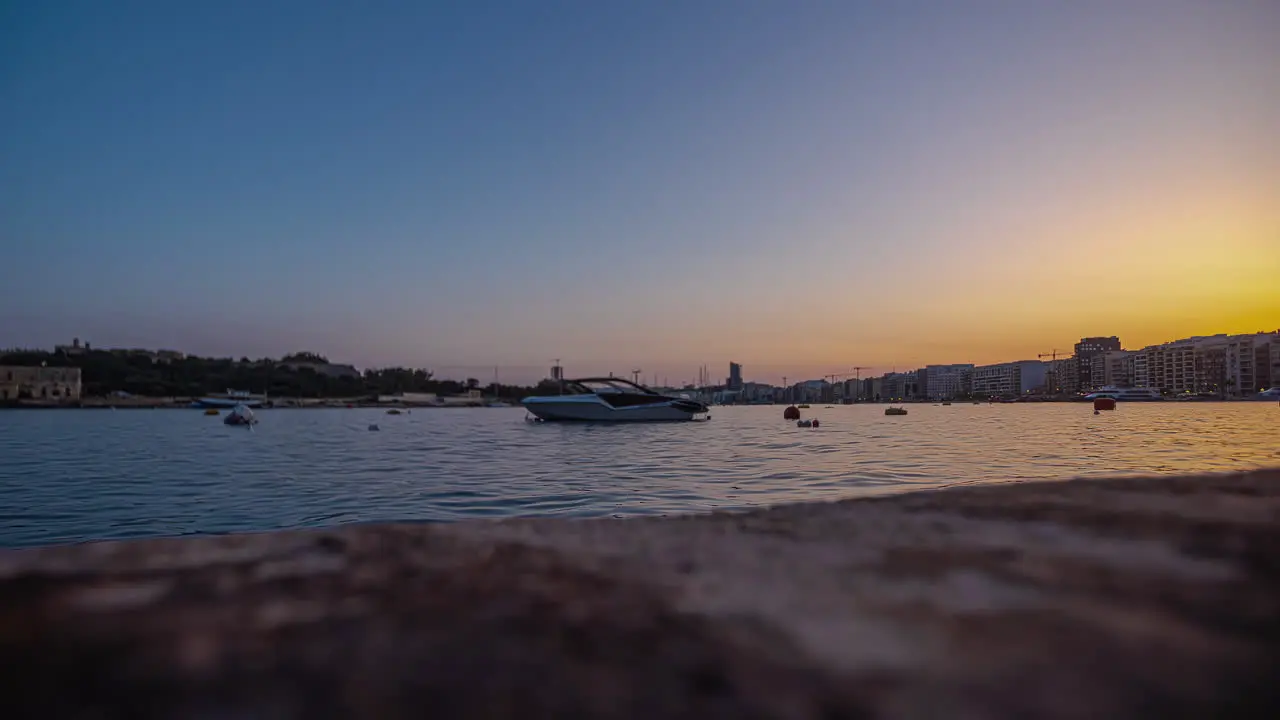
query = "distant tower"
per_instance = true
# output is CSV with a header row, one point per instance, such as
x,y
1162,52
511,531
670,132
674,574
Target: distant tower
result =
x,y
735,376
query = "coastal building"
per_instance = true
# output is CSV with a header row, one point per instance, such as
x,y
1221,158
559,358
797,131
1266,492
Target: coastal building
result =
x,y
39,383
1273,366
758,392
735,376
333,370
72,350
1248,364
1063,377
1085,350
946,381
872,388
163,357
1113,368
1171,367
1141,368
1211,368
1012,378
810,391
900,385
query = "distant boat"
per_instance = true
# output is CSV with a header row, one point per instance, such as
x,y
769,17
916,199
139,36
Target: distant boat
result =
x,y
240,415
1125,394
230,399
895,411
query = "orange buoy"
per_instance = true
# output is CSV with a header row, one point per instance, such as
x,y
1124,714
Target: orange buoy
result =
x,y
1104,403
791,413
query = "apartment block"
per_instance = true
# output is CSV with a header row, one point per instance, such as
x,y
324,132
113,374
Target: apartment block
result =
x,y
1141,368
1112,368
1232,366
1012,378
945,381
900,386
1172,366
1248,363
1085,351
1063,376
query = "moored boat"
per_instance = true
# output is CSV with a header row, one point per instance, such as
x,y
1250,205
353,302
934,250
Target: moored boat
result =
x,y
240,415
1125,394
230,399
612,400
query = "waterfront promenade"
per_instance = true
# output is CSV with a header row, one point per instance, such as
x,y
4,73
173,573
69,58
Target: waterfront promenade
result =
x,y
1117,598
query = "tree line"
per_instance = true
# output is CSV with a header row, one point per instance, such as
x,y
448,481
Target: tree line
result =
x,y
104,372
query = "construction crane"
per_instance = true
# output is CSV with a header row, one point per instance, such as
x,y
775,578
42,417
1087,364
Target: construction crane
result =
x,y
1054,383
856,375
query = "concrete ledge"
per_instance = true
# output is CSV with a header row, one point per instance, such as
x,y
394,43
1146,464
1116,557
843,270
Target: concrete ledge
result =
x,y
1153,597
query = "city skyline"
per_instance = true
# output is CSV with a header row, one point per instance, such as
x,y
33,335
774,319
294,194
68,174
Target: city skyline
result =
x,y
704,374
798,188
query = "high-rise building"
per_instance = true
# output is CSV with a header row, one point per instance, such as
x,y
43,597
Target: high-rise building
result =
x,y
1086,349
735,376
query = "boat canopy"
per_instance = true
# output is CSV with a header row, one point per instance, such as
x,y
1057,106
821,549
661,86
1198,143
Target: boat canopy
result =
x,y
591,386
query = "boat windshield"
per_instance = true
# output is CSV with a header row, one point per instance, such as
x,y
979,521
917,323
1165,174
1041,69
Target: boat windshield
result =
x,y
606,385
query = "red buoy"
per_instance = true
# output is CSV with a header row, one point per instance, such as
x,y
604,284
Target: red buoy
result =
x,y
791,413
1104,403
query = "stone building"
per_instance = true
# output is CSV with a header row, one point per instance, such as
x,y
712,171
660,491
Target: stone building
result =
x,y
39,383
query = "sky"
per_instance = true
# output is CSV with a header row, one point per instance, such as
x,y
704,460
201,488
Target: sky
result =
x,y
802,187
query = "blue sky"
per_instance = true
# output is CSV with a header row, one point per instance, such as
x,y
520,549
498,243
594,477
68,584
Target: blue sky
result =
x,y
798,185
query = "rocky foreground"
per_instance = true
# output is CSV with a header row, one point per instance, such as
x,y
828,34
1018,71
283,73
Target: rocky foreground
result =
x,y
1132,598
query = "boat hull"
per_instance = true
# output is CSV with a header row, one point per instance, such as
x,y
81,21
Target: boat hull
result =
x,y
226,403
571,408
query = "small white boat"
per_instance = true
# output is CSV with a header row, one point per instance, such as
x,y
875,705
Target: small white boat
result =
x,y
230,399
240,415
1125,394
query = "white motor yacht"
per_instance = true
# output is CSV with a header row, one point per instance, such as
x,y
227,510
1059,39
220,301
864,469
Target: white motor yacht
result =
x,y
1125,394
612,400
230,399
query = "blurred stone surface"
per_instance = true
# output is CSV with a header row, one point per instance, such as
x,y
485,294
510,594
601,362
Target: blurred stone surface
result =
x,y
1146,597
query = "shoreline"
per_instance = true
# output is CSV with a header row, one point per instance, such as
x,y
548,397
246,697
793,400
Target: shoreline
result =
x,y
1092,598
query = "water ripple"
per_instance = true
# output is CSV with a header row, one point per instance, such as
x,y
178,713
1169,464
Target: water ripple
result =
x,y
69,476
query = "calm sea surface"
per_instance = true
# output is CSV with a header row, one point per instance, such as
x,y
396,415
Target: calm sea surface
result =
x,y
73,475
